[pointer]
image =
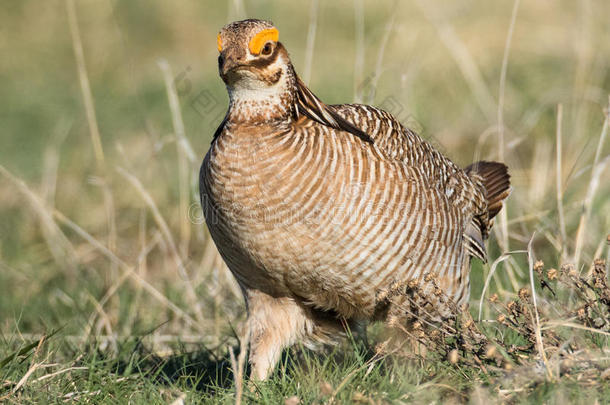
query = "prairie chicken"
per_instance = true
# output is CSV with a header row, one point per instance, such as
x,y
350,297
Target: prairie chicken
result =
x,y
318,208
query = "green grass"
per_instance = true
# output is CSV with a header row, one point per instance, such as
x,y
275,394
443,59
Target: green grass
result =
x,y
129,326
133,373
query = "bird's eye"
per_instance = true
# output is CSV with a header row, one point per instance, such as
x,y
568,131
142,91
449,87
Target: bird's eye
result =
x,y
267,49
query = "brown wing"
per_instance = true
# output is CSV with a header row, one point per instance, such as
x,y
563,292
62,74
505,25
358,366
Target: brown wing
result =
x,y
399,142
479,189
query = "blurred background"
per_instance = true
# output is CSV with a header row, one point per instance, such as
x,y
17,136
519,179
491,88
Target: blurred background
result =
x,y
100,229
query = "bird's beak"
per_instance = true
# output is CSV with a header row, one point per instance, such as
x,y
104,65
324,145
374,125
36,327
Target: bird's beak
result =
x,y
227,61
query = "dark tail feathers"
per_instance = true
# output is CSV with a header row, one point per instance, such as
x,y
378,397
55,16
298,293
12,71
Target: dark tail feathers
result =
x,y
496,181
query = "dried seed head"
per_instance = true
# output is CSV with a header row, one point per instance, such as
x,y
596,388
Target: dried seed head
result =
x,y
567,268
490,351
493,298
524,294
453,356
392,321
380,348
539,266
416,325
395,286
599,267
501,318
582,313
428,277
382,295
552,274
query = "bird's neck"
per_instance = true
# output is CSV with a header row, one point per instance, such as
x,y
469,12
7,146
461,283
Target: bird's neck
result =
x,y
251,102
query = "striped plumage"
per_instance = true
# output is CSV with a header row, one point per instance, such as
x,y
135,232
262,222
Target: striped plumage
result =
x,y
316,208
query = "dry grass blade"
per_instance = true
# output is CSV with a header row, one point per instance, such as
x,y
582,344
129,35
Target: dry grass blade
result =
x,y
25,350
596,172
237,10
118,283
164,228
502,228
154,339
184,151
49,189
105,321
359,43
34,366
559,179
84,83
239,365
76,395
311,39
59,372
61,248
539,342
492,271
554,324
468,67
509,38
51,162
92,122
26,377
125,267
381,51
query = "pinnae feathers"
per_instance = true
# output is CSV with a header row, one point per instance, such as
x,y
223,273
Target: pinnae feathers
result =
x,y
311,106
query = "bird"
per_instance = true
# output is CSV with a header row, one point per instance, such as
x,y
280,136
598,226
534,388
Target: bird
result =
x,y
317,209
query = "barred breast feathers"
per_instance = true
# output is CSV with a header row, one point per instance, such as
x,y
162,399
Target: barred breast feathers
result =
x,y
287,107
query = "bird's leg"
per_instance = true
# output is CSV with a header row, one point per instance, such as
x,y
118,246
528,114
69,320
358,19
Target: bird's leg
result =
x,y
275,323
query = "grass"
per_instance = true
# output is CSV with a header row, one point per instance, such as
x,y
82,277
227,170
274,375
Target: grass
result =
x,y
111,291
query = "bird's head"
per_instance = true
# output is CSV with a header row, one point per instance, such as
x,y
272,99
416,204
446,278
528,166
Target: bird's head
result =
x,y
252,63
262,84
